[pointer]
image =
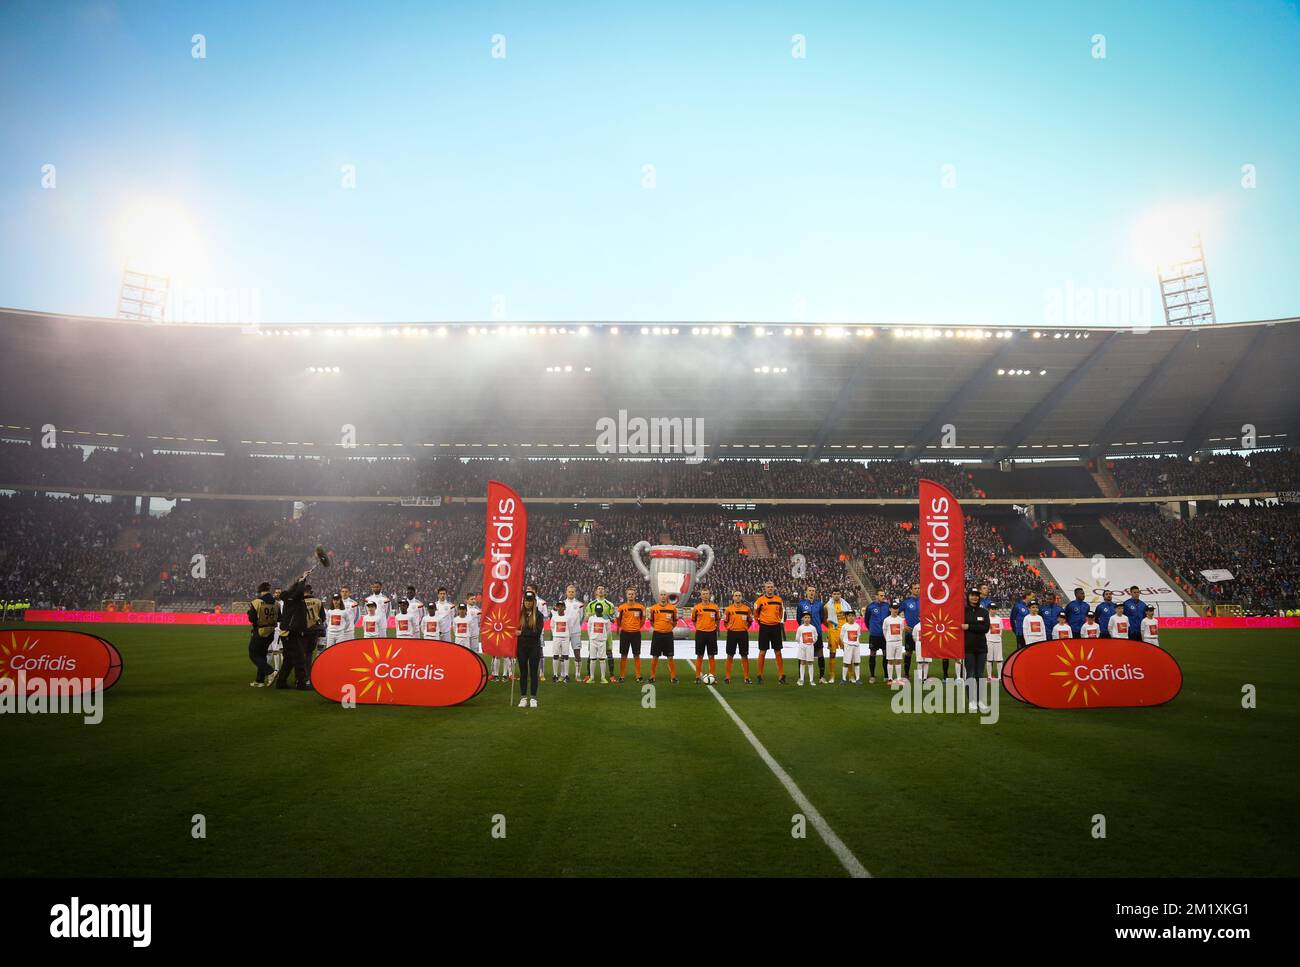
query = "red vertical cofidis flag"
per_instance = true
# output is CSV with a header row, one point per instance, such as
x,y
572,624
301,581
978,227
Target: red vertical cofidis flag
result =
x,y
503,569
942,546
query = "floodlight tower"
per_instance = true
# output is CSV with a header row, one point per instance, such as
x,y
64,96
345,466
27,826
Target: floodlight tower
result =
x,y
143,294
1185,287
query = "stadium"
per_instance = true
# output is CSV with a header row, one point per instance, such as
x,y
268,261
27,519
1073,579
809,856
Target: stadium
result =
x,y
1046,471
515,563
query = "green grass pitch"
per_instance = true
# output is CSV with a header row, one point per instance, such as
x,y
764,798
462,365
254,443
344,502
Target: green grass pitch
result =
x,y
591,783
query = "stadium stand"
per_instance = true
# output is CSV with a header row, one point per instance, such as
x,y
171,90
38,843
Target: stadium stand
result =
x,y
119,469
1260,546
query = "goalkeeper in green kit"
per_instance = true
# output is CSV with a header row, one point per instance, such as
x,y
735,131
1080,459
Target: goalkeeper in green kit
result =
x,y
609,611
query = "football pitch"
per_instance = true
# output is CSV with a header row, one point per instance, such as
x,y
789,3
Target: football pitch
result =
x,y
592,783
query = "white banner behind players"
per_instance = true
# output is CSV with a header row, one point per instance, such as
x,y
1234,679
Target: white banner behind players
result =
x,y
1120,573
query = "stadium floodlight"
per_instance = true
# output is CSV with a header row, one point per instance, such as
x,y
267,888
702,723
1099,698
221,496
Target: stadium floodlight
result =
x,y
142,294
1170,240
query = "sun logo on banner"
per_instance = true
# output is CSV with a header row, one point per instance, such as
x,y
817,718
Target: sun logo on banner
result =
x,y
939,627
366,678
499,628
13,648
1075,687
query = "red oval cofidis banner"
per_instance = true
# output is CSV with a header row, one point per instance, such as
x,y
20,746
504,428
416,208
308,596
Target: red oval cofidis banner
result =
x,y
47,654
1092,673
398,671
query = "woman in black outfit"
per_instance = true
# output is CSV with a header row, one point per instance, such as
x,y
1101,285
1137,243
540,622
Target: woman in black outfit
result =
x,y
975,623
528,649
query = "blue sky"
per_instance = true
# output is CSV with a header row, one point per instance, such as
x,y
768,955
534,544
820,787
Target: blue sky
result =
x,y
784,188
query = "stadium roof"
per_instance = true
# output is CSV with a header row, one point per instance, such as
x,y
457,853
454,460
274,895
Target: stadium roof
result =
x,y
538,390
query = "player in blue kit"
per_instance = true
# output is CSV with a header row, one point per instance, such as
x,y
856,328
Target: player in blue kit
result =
x,y
811,604
1105,610
1018,612
877,612
1135,609
1076,612
1050,611
912,616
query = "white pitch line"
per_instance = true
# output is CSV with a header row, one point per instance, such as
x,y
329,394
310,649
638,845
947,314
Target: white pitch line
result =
x,y
842,852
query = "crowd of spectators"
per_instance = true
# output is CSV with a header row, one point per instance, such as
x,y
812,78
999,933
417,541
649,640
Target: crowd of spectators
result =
x,y
162,472
891,563
1223,473
74,552
310,476
1260,546
63,552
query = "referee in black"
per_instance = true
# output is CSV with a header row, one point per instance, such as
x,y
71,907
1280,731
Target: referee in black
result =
x,y
975,624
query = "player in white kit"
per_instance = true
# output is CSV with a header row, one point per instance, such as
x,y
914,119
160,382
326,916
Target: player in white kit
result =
x,y
894,627
994,639
338,622
417,607
1151,627
561,641
353,609
407,626
922,660
851,643
444,611
573,607
383,607
597,643
805,643
465,628
275,651
1034,626
476,616
371,626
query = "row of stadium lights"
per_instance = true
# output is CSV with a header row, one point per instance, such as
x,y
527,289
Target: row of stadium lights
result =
x,y
1062,335
323,369
952,334
566,369
828,332
737,446
1020,372
355,332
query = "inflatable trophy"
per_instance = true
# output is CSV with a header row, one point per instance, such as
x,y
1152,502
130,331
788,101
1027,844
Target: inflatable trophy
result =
x,y
673,569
